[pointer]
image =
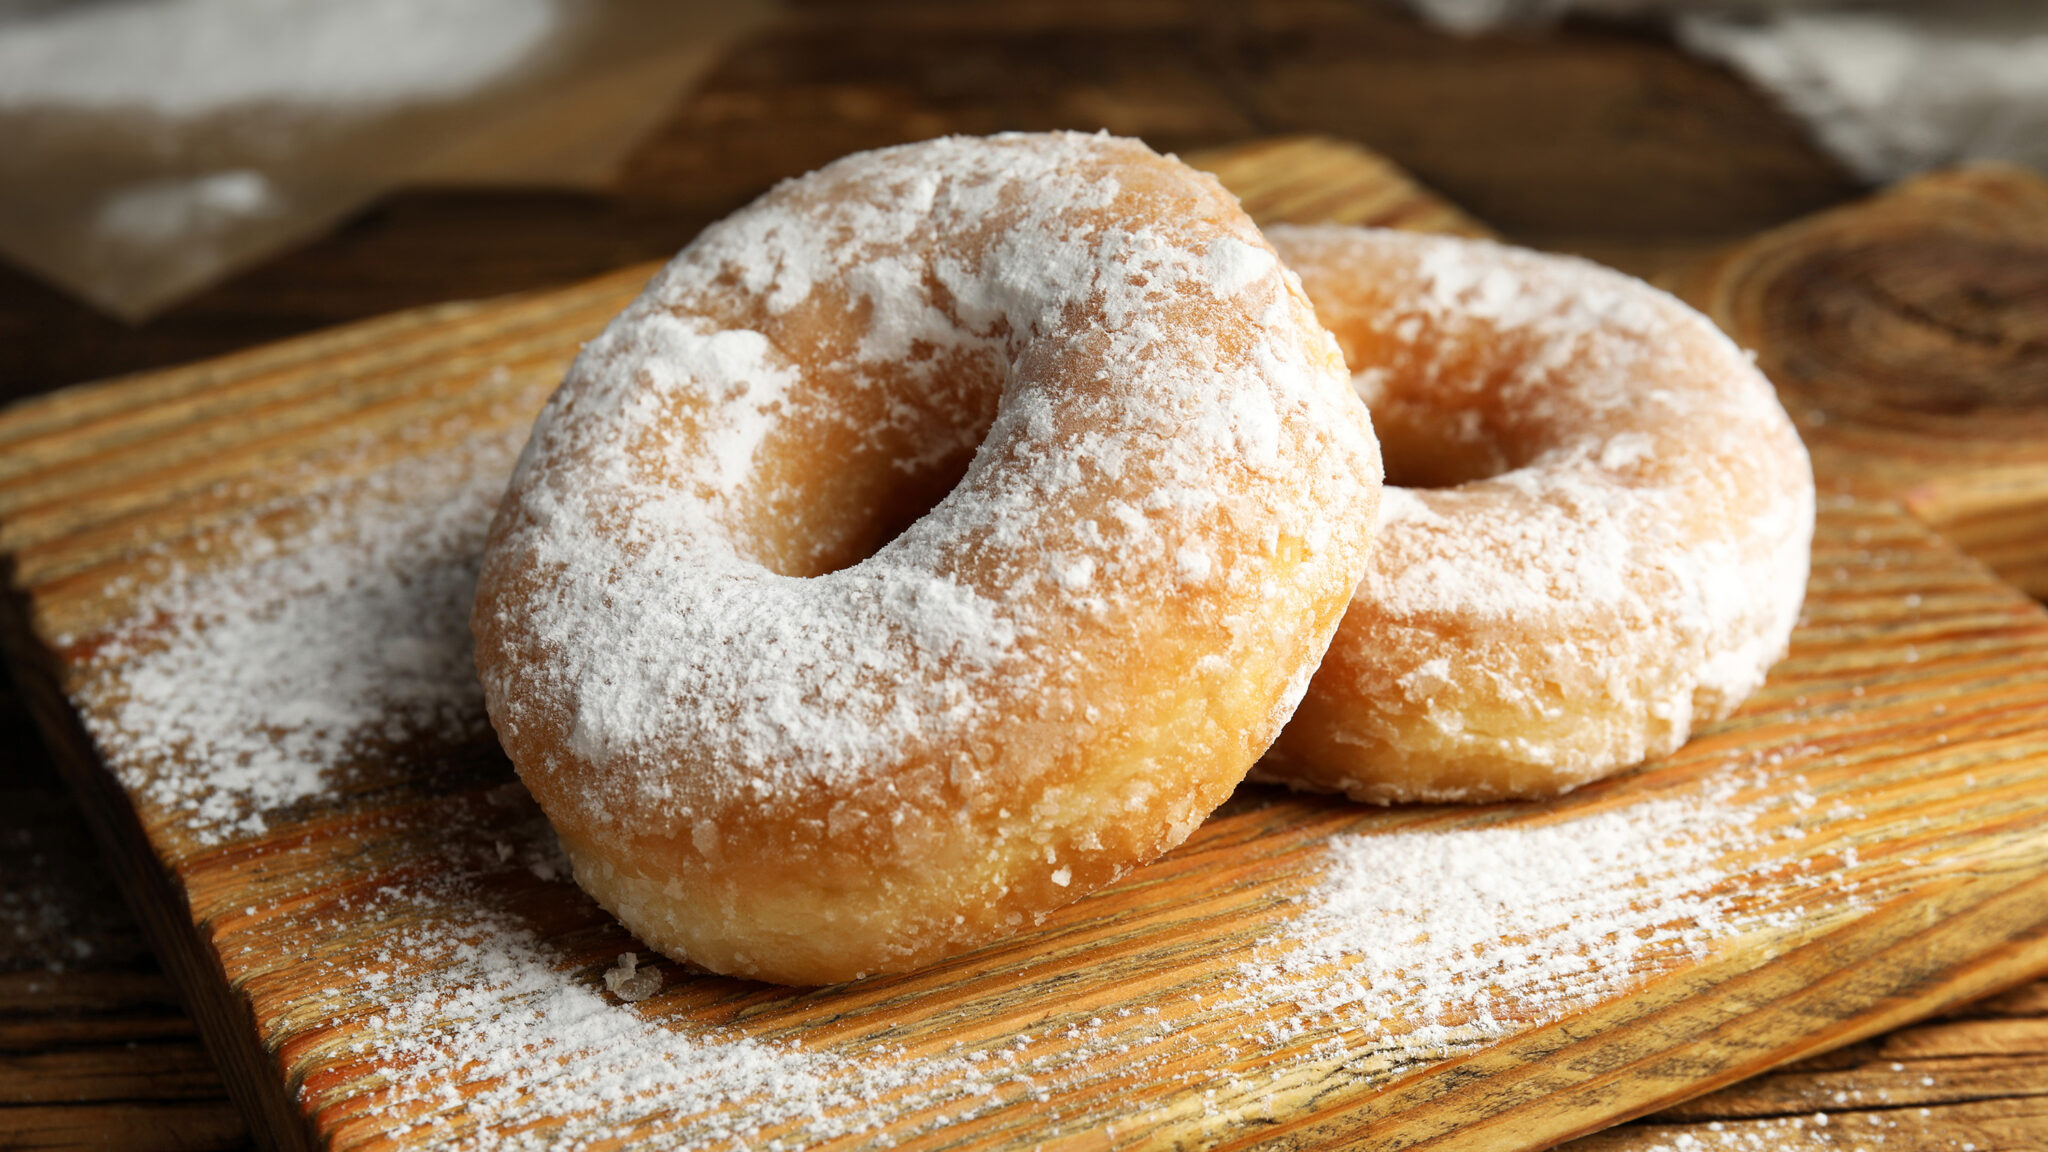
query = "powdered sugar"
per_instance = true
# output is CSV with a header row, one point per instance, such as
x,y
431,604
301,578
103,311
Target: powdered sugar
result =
x,y
741,371
1407,946
819,704
1424,944
475,1033
1234,266
1635,477
241,687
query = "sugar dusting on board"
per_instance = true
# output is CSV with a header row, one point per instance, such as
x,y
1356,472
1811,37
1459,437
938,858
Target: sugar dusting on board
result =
x,y
1406,948
474,1031
1434,942
264,676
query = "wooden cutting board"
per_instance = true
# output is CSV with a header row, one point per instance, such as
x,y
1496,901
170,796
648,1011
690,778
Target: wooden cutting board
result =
x,y
231,585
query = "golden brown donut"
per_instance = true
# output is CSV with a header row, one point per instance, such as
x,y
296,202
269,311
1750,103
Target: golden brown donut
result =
x,y
1601,533
935,540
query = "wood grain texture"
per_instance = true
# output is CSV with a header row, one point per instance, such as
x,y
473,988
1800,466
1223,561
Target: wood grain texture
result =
x,y
95,1048
1908,334
1898,761
1952,1081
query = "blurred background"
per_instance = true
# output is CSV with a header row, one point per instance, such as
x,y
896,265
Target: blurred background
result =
x,y
181,177
184,178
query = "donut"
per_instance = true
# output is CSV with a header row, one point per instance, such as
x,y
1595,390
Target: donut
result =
x,y
933,541
1595,533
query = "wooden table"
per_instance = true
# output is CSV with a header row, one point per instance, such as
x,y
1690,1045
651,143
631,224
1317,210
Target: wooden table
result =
x,y
1596,141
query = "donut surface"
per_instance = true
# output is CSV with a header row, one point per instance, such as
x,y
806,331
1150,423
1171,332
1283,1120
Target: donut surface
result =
x,y
1600,536
933,541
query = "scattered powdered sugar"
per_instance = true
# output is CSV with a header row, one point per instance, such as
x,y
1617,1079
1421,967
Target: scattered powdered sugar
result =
x,y
1854,1132
1409,947
1425,944
476,1034
242,686
1512,289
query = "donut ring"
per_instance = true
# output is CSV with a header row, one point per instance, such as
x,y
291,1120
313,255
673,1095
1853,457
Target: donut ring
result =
x,y
933,541
1604,540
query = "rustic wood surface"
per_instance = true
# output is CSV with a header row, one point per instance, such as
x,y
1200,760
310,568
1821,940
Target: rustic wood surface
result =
x,y
1926,912
1595,140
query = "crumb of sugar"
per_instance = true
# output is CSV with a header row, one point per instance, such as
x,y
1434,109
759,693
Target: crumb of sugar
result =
x,y
631,983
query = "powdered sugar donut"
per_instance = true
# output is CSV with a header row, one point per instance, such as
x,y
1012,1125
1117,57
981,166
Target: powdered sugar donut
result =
x,y
1603,539
933,541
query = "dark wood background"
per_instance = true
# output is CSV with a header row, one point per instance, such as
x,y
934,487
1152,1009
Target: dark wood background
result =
x,y
1594,139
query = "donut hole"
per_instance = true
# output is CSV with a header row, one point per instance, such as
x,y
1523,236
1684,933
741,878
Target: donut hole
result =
x,y
1426,458
896,506
1448,413
835,518
838,490
1438,446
